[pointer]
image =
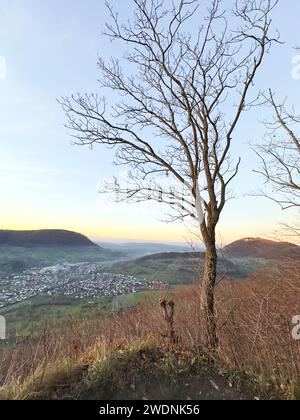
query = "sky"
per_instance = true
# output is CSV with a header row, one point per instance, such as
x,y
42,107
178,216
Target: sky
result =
x,y
49,49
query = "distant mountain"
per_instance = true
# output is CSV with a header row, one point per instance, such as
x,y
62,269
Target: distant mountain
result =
x,y
261,248
172,267
44,238
23,250
139,249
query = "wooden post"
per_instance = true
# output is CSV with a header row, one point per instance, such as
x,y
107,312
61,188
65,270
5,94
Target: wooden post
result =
x,y
168,313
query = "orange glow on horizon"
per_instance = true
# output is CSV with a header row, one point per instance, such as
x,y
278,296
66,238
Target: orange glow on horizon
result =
x,y
104,227
156,233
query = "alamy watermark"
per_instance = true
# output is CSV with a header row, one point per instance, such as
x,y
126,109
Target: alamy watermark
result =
x,y
3,68
184,199
296,329
296,67
2,328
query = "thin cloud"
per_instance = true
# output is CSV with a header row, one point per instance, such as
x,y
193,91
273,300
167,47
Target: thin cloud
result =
x,y
3,68
22,168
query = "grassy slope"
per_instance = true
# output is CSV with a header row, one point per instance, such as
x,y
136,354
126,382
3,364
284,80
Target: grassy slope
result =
x,y
28,317
172,268
165,269
141,371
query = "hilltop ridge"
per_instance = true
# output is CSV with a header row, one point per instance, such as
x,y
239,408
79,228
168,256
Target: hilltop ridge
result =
x,y
43,238
261,248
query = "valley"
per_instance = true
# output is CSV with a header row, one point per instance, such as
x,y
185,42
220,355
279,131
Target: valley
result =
x,y
40,283
82,280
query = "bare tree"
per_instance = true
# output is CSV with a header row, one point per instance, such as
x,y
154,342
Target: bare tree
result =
x,y
182,94
280,158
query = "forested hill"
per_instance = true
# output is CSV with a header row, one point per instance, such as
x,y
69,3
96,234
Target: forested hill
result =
x,y
262,248
46,238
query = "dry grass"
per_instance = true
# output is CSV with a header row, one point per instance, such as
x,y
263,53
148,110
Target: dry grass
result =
x,y
254,322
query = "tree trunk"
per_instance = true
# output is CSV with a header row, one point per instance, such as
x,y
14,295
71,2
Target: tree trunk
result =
x,y
208,296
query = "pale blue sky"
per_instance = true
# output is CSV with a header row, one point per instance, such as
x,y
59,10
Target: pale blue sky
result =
x,y
50,49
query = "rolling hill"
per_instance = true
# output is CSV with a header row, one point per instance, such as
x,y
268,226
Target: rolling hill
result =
x,y
172,267
237,260
22,250
46,238
261,248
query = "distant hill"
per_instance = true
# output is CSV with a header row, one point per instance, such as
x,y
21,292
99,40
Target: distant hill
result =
x,y
43,238
172,267
261,248
140,249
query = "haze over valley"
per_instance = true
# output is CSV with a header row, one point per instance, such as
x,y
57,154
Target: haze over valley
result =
x,y
61,264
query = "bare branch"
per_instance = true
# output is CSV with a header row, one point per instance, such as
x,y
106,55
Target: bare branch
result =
x,y
280,156
181,97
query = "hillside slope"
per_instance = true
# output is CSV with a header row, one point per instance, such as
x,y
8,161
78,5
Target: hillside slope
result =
x,y
45,237
261,248
172,267
22,250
